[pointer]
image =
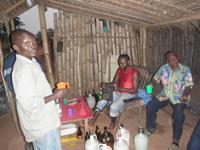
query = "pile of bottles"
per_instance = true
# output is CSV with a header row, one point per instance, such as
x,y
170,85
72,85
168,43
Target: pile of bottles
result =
x,y
98,140
106,141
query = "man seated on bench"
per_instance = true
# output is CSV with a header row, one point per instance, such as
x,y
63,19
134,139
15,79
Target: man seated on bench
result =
x,y
125,85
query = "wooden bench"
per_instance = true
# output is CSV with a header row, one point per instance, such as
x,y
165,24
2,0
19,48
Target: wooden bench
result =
x,y
145,77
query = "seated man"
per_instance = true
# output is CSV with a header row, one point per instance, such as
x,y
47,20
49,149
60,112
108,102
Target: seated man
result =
x,y
177,82
124,84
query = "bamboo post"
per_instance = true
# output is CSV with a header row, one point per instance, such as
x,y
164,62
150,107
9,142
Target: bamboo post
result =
x,y
113,38
7,27
9,95
143,41
45,42
94,48
55,41
12,24
117,39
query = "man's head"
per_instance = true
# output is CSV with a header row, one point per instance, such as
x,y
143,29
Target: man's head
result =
x,y
172,58
24,43
123,61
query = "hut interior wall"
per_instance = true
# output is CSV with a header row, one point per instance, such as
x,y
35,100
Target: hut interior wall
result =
x,y
186,42
83,46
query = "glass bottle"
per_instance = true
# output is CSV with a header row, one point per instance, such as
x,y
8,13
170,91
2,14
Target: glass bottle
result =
x,y
98,134
79,133
87,136
108,137
58,107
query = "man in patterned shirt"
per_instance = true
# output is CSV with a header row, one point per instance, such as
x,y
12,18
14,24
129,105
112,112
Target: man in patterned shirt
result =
x,y
176,80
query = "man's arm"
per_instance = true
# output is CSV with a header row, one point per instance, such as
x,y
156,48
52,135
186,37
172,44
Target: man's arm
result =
x,y
188,81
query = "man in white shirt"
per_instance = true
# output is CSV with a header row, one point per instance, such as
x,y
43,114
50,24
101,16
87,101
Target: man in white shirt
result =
x,y
38,117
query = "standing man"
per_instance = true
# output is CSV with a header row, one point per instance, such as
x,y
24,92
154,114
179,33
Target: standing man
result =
x,y
36,108
177,82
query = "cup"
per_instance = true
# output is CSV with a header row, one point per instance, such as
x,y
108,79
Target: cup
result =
x,y
62,85
70,112
65,101
149,89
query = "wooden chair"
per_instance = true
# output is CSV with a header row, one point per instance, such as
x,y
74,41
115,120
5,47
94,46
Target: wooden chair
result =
x,y
145,77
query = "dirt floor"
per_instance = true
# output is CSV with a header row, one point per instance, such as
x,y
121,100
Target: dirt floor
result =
x,y
10,140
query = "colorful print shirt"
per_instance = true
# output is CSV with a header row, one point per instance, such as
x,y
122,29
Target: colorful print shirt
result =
x,y
173,82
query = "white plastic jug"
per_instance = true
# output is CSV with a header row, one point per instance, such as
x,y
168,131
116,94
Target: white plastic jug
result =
x,y
91,101
92,143
121,144
141,140
104,147
124,134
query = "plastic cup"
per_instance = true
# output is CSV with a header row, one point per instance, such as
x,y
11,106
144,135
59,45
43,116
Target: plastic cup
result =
x,y
149,89
62,85
70,112
65,101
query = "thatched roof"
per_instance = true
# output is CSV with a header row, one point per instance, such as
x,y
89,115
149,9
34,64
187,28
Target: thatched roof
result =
x,y
140,13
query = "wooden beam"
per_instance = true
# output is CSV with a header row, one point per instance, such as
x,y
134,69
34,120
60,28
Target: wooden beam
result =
x,y
175,7
13,7
176,21
144,9
86,9
124,9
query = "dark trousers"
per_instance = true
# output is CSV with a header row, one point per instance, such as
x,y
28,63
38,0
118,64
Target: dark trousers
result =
x,y
194,142
178,116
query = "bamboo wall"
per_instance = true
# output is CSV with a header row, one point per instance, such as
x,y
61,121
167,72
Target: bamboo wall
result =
x,y
87,47
185,42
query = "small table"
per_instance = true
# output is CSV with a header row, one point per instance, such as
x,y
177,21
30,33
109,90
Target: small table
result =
x,y
76,112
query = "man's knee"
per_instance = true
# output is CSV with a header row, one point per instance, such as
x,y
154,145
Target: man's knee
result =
x,y
114,110
178,114
150,106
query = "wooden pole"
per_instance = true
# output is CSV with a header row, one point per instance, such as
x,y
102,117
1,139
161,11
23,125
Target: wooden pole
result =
x,y
9,95
143,41
12,24
45,43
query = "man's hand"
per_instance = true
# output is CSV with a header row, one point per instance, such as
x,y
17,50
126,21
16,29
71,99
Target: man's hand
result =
x,y
59,93
183,98
115,87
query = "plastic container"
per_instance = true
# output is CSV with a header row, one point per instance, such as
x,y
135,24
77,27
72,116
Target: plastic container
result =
x,y
141,140
92,143
121,144
91,101
68,129
124,134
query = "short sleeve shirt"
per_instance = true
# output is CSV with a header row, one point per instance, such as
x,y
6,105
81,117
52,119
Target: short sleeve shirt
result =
x,y
173,82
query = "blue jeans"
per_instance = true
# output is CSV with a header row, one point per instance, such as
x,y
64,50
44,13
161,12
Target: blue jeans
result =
x,y
178,116
194,142
50,141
